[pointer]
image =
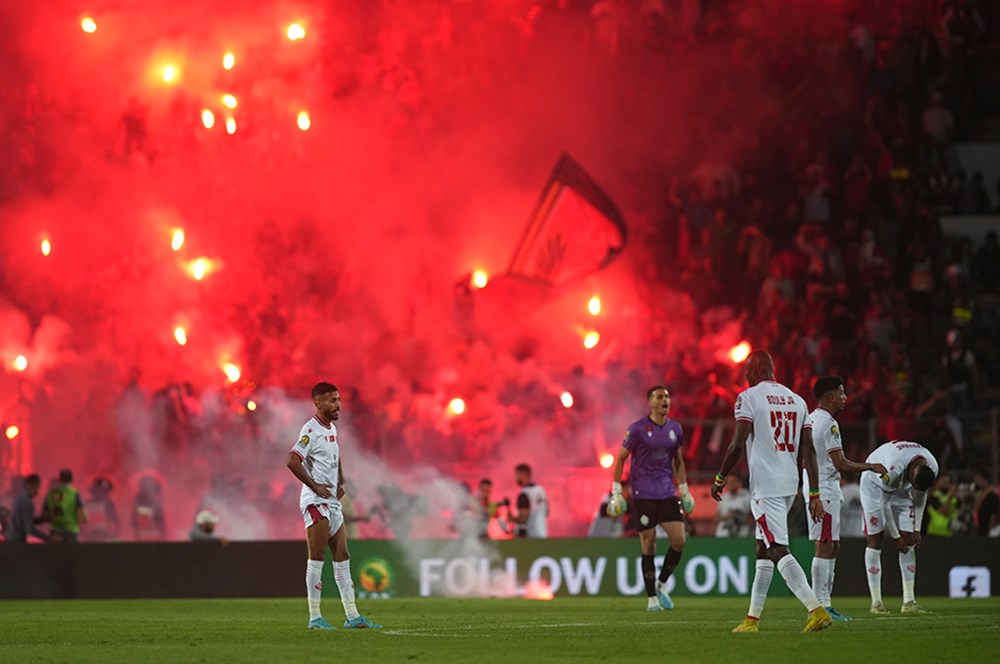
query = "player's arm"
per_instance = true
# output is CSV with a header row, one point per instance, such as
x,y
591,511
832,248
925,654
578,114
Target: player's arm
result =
x,y
845,465
919,503
341,489
294,464
616,506
733,453
808,456
680,474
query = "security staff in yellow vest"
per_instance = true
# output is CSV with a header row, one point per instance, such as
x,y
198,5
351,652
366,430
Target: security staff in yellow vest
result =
x,y
64,510
942,507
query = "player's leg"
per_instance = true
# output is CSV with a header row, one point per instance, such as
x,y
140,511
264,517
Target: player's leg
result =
x,y
819,536
908,560
773,522
873,527
342,571
830,539
672,521
316,518
645,522
763,572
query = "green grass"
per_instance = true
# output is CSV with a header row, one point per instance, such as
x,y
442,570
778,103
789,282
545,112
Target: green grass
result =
x,y
489,630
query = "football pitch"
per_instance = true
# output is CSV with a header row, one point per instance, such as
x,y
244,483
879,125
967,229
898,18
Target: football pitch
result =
x,y
489,630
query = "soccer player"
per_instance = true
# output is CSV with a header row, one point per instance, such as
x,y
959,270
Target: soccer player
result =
x,y
315,461
900,496
656,444
830,463
771,423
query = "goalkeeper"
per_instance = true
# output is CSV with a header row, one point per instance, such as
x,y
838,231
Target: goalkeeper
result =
x,y
656,444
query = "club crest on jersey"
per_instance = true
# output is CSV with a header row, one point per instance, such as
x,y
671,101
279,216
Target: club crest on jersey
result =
x,y
649,432
332,438
673,436
303,441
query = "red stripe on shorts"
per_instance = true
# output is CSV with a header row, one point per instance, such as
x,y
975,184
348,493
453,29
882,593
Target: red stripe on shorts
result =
x,y
826,535
315,513
762,522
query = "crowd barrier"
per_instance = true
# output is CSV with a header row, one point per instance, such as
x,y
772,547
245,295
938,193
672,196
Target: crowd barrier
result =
x,y
423,568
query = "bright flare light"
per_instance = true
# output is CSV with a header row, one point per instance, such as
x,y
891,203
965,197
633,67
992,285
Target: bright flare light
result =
x,y
567,399
229,101
208,118
303,121
594,306
230,126
232,372
169,74
177,241
607,460
296,32
228,61
251,405
180,336
46,247
739,352
591,339
12,432
537,590
20,363
88,25
480,279
199,268
456,406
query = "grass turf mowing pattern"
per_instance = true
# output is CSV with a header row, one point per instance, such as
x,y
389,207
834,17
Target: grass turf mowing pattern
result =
x,y
482,630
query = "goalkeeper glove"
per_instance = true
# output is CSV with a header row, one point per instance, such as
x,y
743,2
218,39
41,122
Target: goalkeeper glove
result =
x,y
687,500
617,505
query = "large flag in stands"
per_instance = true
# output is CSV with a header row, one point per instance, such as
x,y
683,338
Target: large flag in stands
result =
x,y
574,230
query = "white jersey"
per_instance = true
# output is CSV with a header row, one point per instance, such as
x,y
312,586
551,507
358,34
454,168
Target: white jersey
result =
x,y
778,416
320,453
826,439
533,497
896,455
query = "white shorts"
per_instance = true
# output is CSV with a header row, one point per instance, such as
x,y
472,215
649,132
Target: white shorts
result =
x,y
331,512
771,515
826,529
900,507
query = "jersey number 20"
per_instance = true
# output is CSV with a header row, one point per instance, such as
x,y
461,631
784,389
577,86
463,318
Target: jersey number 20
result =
x,y
783,424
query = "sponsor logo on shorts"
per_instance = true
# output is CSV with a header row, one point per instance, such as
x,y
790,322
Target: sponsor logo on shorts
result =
x,y
644,520
874,520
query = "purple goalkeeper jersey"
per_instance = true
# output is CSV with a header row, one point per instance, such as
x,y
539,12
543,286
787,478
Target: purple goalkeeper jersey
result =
x,y
652,448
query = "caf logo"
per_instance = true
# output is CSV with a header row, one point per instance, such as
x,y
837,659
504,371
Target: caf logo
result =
x,y
375,576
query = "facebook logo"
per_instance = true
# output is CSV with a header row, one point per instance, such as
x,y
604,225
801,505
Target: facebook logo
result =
x,y
969,582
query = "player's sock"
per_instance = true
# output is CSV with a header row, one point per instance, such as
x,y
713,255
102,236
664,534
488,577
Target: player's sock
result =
x,y
908,568
873,567
820,579
649,575
758,591
342,575
831,569
670,562
797,582
314,586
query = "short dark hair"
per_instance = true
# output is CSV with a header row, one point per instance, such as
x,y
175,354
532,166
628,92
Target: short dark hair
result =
x,y
65,475
826,384
654,388
924,478
486,480
32,479
323,388
523,468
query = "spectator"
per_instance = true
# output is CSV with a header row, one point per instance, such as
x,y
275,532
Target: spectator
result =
x,y
204,528
64,510
937,121
23,520
148,522
102,515
942,507
733,516
986,509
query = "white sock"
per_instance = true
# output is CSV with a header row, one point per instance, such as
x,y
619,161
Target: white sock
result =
x,y
873,566
908,568
795,578
831,568
758,591
821,579
314,586
342,575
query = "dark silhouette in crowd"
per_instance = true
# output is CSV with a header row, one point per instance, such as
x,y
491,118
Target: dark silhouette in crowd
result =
x,y
203,529
102,515
23,520
148,521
